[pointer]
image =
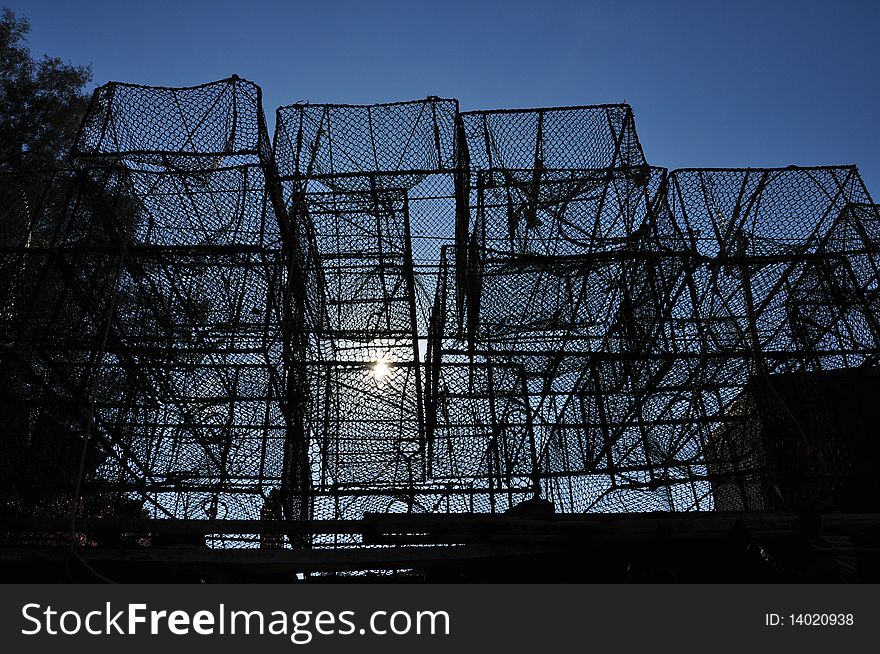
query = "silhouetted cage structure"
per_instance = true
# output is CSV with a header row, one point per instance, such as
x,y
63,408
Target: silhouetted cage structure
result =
x,y
198,128
376,186
781,294
480,437
386,158
402,308
653,332
595,136
573,297
153,340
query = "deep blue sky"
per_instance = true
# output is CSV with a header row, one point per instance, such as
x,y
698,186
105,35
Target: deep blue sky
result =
x,y
712,83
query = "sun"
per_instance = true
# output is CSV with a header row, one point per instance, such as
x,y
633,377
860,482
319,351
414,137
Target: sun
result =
x,y
380,370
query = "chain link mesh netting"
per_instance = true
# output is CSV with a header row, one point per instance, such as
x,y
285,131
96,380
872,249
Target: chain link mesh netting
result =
x,y
156,311
691,359
376,186
200,127
404,308
563,138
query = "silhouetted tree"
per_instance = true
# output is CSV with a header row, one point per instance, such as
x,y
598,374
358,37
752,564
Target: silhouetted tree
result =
x,y
41,101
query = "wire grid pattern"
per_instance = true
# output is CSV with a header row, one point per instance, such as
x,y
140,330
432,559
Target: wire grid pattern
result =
x,y
403,146
782,292
669,359
365,368
343,144
567,323
200,127
557,213
479,422
406,309
375,185
560,138
156,313
560,212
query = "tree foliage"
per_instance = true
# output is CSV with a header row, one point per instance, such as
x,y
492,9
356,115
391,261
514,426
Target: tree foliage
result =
x,y
41,100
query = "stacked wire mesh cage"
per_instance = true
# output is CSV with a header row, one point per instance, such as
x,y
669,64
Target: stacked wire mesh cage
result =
x,y
403,308
375,186
148,314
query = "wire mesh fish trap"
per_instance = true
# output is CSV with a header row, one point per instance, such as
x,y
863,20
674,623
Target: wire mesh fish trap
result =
x,y
346,144
166,312
327,150
649,359
780,303
581,330
565,267
553,138
561,212
405,308
42,375
201,127
376,187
